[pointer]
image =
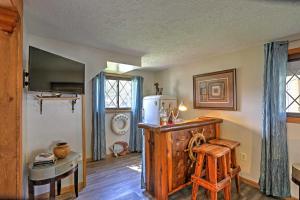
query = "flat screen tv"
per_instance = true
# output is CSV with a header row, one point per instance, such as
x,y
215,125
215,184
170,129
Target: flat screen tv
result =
x,y
49,72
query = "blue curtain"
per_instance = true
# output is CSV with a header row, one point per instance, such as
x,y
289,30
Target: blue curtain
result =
x,y
98,99
274,169
135,141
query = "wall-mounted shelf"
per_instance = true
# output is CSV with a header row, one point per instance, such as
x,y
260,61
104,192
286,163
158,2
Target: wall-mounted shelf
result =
x,y
53,98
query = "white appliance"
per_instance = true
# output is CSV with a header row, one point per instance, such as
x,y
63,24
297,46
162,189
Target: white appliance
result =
x,y
152,105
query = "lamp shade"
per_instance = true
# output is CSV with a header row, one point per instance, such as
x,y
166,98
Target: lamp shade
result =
x,y
182,107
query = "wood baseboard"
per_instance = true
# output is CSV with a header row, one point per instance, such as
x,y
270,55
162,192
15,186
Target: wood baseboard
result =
x,y
249,182
256,185
64,190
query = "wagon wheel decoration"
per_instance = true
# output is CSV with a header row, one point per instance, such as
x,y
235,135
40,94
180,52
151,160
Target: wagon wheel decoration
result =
x,y
196,140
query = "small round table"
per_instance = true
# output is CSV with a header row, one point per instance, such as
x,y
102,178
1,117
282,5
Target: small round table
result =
x,y
40,175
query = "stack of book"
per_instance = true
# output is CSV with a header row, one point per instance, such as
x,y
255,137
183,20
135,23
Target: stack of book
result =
x,y
44,159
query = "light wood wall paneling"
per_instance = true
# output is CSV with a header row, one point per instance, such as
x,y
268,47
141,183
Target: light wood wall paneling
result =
x,y
11,39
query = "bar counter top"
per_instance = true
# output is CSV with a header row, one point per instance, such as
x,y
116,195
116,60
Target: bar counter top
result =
x,y
200,121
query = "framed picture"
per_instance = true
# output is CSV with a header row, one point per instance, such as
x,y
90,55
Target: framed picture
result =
x,y
216,90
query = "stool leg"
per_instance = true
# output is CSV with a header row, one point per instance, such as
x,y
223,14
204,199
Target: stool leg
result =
x,y
227,192
207,175
225,166
234,165
221,173
228,162
212,167
237,183
198,170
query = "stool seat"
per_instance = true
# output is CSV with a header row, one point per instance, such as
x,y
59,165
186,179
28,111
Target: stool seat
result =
x,y
226,143
212,150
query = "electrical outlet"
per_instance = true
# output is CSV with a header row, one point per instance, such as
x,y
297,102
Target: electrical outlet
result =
x,y
243,156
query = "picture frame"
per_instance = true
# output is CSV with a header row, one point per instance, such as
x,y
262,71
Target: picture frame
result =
x,y
215,90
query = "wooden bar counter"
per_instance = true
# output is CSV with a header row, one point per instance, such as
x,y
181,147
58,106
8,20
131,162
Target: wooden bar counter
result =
x,y
167,164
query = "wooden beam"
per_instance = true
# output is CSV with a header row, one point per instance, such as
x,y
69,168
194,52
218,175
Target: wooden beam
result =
x,y
11,89
7,3
18,30
9,18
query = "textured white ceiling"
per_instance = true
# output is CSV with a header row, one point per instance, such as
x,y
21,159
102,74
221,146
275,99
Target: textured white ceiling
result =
x,y
165,32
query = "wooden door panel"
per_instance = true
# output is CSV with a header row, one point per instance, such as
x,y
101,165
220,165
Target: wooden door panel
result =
x,y
180,157
11,102
7,118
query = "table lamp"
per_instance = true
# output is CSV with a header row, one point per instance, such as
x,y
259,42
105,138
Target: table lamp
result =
x,y
181,108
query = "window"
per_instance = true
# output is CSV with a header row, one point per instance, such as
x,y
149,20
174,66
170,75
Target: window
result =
x,y
117,93
293,86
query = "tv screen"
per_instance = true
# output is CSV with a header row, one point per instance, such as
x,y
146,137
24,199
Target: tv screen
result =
x,y
49,72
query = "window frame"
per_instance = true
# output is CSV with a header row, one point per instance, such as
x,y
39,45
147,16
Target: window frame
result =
x,y
117,78
293,55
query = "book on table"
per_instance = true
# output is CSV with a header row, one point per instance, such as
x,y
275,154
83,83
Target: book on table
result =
x,y
44,159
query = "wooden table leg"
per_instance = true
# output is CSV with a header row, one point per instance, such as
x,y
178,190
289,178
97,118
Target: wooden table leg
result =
x,y
58,187
76,181
52,189
30,189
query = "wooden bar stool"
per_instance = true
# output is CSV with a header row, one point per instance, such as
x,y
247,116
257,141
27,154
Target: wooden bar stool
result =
x,y
235,169
212,153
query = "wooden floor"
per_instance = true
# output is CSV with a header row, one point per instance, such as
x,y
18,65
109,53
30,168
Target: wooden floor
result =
x,y
119,179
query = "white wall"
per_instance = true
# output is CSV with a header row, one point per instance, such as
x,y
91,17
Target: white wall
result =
x,y
243,125
94,60
294,153
57,121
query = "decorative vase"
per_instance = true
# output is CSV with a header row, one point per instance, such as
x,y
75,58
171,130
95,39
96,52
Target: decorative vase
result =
x,y
61,150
